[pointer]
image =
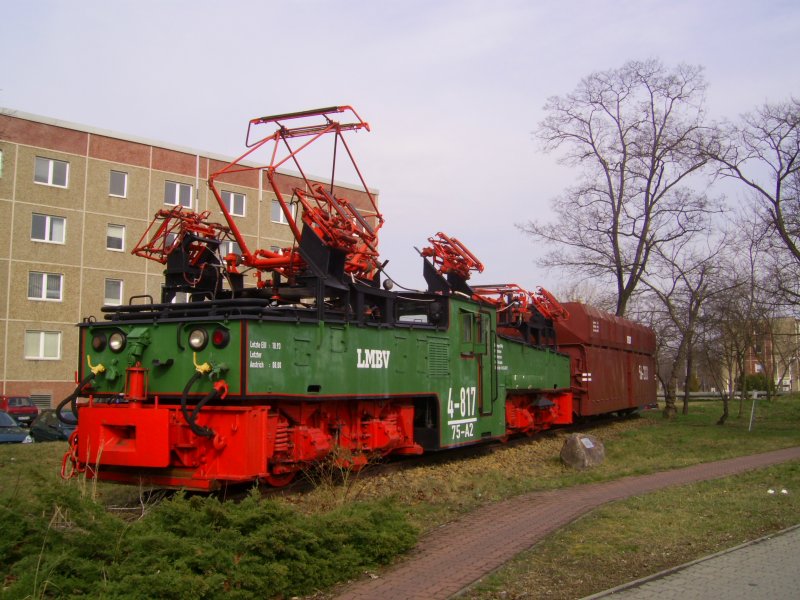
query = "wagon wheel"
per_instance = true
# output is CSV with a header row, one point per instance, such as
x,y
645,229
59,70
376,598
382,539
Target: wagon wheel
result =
x,y
280,479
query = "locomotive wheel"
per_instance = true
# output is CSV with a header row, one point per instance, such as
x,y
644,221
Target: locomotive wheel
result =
x,y
280,479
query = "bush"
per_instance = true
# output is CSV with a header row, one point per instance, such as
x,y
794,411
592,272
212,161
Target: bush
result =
x,y
758,381
59,544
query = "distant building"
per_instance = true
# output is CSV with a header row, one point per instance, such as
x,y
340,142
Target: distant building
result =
x,y
776,353
73,202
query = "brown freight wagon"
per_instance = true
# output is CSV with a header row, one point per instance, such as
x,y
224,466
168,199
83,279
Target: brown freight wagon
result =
x,y
613,360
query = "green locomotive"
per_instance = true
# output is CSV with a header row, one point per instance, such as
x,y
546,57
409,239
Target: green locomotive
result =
x,y
317,361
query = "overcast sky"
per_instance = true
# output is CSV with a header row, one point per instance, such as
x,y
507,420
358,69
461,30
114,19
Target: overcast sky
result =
x,y
452,89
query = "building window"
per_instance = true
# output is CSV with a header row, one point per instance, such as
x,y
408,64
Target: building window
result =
x,y
118,184
113,293
43,345
44,286
115,237
278,215
235,203
178,194
226,248
49,171
46,228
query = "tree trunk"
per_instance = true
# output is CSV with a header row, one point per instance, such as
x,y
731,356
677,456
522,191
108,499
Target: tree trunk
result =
x,y
742,390
687,380
670,410
725,412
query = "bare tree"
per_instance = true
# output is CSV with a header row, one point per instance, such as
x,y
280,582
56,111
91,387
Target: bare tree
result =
x,y
763,153
721,348
685,275
732,320
637,133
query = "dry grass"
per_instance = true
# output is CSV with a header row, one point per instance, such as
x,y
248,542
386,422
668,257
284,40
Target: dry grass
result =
x,y
440,491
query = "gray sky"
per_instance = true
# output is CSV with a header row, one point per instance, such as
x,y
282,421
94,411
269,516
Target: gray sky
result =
x,y
452,89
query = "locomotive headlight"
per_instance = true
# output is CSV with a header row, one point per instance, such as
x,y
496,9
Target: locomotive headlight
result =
x,y
198,338
116,341
220,337
99,342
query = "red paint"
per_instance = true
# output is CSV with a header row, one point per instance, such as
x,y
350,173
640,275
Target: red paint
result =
x,y
136,383
270,443
340,222
451,256
531,413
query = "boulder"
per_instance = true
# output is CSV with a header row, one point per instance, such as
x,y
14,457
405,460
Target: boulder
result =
x,y
582,451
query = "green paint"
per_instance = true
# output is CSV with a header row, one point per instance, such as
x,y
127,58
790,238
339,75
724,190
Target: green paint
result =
x,y
465,368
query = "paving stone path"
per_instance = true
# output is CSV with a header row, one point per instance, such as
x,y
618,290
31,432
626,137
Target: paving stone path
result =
x,y
450,558
765,568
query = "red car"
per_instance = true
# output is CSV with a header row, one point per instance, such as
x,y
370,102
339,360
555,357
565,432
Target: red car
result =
x,y
21,408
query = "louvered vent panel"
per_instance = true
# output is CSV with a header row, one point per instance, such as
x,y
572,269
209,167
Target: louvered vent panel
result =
x,y
438,364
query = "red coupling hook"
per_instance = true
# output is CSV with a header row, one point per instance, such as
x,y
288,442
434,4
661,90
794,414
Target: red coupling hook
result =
x,y
222,388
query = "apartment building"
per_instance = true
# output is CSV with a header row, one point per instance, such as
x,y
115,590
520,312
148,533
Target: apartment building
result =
x,y
74,201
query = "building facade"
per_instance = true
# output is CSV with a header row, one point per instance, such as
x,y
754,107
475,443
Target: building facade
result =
x,y
73,203
775,353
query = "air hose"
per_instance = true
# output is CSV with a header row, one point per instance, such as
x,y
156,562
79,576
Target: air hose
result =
x,y
72,399
191,418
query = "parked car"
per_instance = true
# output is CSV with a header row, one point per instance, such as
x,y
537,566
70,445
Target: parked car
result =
x,y
47,427
21,408
10,432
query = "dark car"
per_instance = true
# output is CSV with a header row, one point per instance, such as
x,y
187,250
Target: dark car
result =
x,y
21,408
47,427
10,432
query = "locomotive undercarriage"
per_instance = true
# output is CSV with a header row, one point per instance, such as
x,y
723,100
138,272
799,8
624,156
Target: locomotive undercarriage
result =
x,y
151,443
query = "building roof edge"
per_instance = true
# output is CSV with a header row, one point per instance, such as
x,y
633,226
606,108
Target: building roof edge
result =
x,y
19,114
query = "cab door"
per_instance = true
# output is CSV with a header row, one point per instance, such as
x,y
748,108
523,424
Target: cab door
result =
x,y
474,390
483,351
